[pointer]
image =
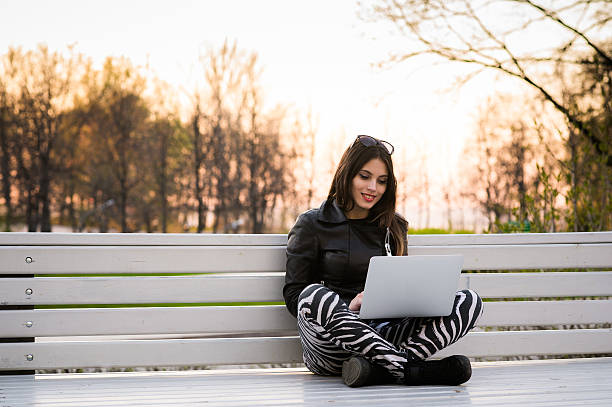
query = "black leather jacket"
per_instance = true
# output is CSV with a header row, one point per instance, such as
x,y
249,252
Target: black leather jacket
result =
x,y
326,247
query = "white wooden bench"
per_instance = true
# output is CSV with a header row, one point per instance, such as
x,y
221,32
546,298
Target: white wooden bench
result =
x,y
165,323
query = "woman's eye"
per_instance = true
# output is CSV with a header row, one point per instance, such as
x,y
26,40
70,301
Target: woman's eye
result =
x,y
382,181
364,176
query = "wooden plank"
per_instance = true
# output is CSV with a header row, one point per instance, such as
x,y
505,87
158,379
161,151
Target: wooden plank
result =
x,y
189,239
140,239
261,319
546,284
257,287
197,352
531,383
533,256
525,313
139,259
130,321
509,239
518,343
194,259
175,352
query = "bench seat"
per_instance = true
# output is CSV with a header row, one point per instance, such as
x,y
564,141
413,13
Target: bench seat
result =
x,y
137,300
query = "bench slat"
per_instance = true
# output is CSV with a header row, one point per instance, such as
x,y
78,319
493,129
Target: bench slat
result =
x,y
142,290
268,287
262,319
130,321
204,239
533,256
536,313
213,351
140,239
173,352
201,259
545,284
509,238
517,343
140,259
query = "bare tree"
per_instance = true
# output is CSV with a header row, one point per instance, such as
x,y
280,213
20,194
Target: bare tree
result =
x,y
310,142
198,165
573,76
218,122
485,34
266,167
238,149
421,188
448,196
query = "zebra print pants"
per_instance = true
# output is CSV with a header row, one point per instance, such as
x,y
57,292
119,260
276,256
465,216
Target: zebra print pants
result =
x,y
331,333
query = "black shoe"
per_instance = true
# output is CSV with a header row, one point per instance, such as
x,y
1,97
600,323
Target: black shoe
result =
x,y
452,370
358,372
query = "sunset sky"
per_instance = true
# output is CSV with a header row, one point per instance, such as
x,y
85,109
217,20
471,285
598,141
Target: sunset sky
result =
x,y
315,55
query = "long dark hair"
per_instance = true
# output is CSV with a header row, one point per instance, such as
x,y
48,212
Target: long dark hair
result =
x,y
352,161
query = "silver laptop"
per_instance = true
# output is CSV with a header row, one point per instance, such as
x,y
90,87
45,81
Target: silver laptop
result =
x,y
410,286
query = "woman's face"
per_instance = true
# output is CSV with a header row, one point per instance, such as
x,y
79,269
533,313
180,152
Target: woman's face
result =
x,y
368,187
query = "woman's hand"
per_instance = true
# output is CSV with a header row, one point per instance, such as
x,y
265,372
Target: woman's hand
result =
x,y
355,304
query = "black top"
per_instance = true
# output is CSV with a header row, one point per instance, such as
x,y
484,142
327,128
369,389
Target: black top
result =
x,y
326,247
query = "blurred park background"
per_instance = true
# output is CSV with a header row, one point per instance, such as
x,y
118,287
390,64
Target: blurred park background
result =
x,y
230,116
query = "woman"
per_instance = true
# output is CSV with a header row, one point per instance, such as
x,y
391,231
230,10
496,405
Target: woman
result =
x,y
328,253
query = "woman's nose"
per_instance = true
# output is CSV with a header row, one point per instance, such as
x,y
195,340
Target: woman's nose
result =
x,y
372,185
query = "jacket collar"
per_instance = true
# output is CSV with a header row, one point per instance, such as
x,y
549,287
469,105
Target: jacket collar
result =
x,y
331,213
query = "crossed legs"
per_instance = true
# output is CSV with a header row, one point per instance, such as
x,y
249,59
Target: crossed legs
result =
x,y
331,333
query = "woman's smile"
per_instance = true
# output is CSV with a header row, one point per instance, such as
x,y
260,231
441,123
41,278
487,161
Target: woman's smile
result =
x,y
368,197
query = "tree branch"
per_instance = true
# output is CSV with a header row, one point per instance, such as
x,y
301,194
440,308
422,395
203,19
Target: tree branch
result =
x,y
553,16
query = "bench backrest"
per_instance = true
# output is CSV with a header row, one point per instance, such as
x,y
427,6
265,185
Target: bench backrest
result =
x,y
118,300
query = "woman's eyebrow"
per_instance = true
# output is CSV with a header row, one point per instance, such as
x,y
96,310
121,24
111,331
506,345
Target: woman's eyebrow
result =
x,y
380,176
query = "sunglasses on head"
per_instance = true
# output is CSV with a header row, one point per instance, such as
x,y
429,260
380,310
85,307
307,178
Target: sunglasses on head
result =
x,y
370,141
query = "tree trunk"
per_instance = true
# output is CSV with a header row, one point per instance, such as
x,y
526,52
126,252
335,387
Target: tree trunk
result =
x,y
102,215
520,179
45,219
32,210
123,208
147,221
574,180
215,226
163,192
5,165
123,190
197,147
71,211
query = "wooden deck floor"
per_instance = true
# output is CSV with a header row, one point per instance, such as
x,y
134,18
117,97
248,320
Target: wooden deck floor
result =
x,y
578,382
